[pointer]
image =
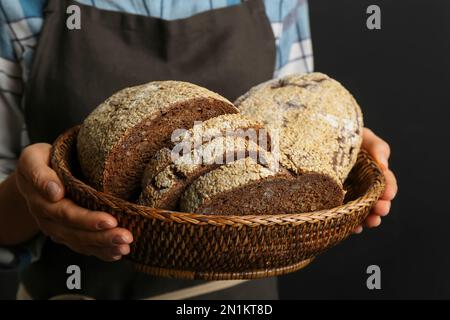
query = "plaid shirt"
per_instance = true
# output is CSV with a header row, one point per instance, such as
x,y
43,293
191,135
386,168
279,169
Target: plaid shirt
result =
x,y
21,22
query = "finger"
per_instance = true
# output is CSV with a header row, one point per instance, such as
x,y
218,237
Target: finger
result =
x,y
107,238
67,213
358,229
108,258
123,249
373,221
391,186
105,254
34,168
71,215
377,147
381,208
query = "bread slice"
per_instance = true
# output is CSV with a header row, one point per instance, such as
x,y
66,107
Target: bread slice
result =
x,y
236,125
245,187
120,136
226,138
317,121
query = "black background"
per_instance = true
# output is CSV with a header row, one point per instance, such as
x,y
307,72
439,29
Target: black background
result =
x,y
400,75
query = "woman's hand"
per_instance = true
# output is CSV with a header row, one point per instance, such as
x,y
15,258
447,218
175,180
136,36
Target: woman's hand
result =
x,y
84,231
380,150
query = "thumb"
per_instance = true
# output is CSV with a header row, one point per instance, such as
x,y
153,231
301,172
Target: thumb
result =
x,y
34,166
377,147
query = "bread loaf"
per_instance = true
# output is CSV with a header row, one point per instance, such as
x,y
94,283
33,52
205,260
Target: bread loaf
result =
x,y
317,125
225,138
318,122
245,187
121,135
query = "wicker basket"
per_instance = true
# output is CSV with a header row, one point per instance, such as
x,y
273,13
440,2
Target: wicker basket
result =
x,y
212,247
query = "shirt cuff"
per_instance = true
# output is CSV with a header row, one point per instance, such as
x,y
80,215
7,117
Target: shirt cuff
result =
x,y
20,256
6,167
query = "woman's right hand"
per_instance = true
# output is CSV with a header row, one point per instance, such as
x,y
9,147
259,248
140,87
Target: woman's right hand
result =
x,y
84,231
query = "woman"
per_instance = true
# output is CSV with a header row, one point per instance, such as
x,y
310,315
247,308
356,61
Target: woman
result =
x,y
226,46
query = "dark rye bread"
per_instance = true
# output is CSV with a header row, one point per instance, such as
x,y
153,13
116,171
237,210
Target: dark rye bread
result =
x,y
317,125
318,122
228,138
164,187
245,187
121,135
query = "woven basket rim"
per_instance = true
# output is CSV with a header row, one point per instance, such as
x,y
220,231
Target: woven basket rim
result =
x,y
61,166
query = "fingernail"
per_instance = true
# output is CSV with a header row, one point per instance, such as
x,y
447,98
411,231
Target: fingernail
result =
x,y
52,189
120,240
117,257
386,211
105,225
378,222
384,163
121,250
358,229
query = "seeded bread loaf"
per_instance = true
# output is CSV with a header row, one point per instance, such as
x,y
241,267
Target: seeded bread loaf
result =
x,y
223,139
317,125
119,137
245,187
318,122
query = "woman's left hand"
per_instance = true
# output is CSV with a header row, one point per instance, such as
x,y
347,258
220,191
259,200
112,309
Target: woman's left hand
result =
x,y
380,151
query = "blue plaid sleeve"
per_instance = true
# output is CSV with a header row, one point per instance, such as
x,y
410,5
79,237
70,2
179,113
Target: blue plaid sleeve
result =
x,y
290,25
20,23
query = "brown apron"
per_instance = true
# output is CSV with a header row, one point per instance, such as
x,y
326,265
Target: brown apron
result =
x,y
227,50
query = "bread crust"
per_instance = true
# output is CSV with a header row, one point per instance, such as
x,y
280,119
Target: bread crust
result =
x,y
317,121
117,139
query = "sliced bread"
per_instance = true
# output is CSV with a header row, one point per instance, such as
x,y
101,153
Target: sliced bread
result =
x,y
223,139
120,136
245,187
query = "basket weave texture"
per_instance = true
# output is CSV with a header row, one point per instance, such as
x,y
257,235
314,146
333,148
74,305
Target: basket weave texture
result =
x,y
219,247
